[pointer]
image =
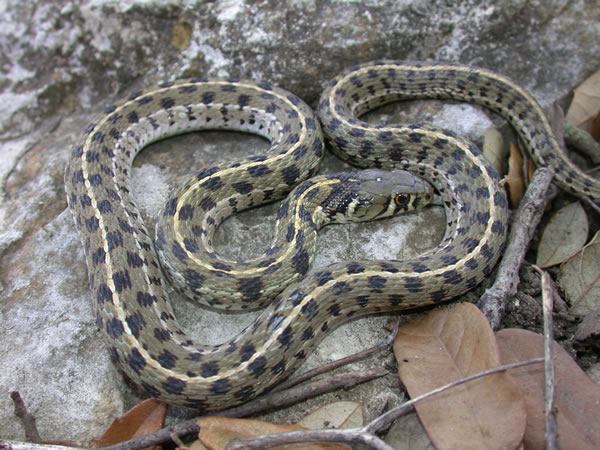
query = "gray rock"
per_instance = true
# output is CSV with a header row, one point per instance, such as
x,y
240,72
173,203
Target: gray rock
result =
x,y
63,63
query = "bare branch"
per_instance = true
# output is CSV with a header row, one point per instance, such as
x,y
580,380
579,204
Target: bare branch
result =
x,y
31,431
550,412
494,301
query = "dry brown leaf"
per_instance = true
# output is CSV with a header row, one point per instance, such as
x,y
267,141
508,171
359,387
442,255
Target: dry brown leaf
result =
x,y
514,178
579,278
334,415
216,432
445,346
577,398
586,103
564,235
144,418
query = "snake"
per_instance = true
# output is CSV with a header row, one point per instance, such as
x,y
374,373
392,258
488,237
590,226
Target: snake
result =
x,y
130,285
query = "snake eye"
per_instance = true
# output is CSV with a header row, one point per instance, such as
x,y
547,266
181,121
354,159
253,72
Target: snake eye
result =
x,y
401,199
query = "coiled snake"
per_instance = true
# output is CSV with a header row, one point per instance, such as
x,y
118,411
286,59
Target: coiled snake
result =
x,y
133,309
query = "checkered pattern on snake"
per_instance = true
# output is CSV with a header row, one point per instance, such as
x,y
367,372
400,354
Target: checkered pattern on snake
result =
x,y
133,309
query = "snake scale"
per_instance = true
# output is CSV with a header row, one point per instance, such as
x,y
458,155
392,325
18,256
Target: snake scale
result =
x,y
125,277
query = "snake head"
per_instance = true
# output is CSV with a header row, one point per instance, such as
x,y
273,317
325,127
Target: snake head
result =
x,y
381,193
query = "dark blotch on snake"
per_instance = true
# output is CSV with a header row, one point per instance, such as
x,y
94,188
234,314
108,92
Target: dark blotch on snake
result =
x,y
135,322
340,288
186,212
300,262
162,335
395,299
99,256
310,308
191,245
121,280
179,252
209,369
290,175
145,299
355,267
92,224
259,171
323,277
452,277
114,328
221,386
170,207
207,203
334,309
174,385
257,367
103,294
413,284
308,334
167,359
250,288
134,260
377,283
247,351
242,187
278,368
245,393
286,337
213,183
136,361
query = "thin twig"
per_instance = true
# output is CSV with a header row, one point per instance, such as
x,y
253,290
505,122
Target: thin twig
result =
x,y
384,345
31,431
494,301
365,434
549,410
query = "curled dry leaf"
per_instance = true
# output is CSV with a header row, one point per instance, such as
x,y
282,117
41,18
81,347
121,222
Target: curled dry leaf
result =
x,y
564,235
579,278
144,418
445,346
586,103
576,397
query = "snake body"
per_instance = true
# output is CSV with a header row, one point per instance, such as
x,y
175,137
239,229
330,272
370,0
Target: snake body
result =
x,y
133,309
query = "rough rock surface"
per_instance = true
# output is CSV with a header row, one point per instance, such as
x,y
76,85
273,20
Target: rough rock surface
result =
x,y
61,63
